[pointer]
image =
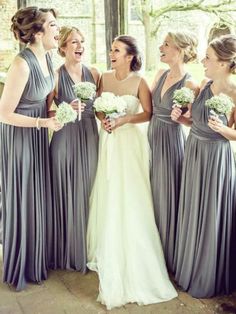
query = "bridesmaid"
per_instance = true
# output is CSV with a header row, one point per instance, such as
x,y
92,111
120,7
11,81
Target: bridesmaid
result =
x,y
26,194
73,153
167,138
205,248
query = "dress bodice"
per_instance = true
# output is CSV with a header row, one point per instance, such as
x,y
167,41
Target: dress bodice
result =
x,y
38,86
200,116
132,104
65,88
162,106
127,88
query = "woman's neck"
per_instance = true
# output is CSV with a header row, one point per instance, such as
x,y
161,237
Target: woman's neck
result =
x,y
176,71
222,84
74,67
37,49
75,70
122,74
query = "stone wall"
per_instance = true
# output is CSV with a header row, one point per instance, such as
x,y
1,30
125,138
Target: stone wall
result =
x,y
8,45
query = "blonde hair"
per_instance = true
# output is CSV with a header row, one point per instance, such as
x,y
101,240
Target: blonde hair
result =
x,y
187,43
225,50
65,32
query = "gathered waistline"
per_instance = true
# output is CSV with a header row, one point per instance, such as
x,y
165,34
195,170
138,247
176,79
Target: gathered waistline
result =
x,y
168,120
207,139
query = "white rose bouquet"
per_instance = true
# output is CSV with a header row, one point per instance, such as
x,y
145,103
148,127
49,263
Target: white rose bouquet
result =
x,y
65,113
182,97
219,105
113,106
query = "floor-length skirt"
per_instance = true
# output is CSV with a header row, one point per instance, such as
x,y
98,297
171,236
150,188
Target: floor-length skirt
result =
x,y
73,153
123,242
26,202
167,141
205,250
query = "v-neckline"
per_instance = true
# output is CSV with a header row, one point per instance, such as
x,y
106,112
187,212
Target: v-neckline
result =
x,y
82,74
162,96
38,64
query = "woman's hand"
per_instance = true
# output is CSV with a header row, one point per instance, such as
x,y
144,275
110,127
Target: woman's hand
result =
x,y
77,105
175,113
51,123
215,124
116,123
51,113
105,124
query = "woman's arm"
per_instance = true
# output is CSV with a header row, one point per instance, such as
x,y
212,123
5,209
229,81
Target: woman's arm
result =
x,y
156,79
100,115
16,81
96,76
52,95
227,131
217,125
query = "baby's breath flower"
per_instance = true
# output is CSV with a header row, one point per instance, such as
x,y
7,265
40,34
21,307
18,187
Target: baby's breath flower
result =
x,y
85,90
183,96
220,104
65,113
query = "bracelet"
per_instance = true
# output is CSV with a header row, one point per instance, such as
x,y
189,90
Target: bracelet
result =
x,y
37,123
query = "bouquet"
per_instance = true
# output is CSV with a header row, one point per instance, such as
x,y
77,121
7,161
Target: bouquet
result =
x,y
65,113
113,106
85,90
219,105
182,97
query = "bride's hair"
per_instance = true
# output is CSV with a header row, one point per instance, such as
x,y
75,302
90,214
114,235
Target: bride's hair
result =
x,y
132,49
28,21
225,50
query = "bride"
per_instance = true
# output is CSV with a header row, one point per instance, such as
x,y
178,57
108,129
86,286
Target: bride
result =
x,y
124,247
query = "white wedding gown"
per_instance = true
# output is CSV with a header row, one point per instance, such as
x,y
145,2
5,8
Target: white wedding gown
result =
x,y
124,247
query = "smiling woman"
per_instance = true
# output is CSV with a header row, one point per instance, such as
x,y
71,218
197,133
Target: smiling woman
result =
x,y
206,221
167,138
131,268
73,169
24,160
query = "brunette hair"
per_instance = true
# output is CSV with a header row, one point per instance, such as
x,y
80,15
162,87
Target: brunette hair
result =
x,y
65,32
225,50
27,22
132,49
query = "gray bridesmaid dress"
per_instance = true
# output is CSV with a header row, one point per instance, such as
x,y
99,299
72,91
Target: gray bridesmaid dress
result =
x,y
73,153
205,244
25,180
167,141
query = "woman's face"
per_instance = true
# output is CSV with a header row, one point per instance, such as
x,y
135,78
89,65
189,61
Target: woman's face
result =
x,y
169,52
74,48
212,65
51,32
118,55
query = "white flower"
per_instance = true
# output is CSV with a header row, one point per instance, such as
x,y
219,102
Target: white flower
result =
x,y
84,90
109,103
65,113
183,96
220,104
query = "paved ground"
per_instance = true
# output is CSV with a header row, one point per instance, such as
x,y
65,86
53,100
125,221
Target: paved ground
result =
x,y
72,293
